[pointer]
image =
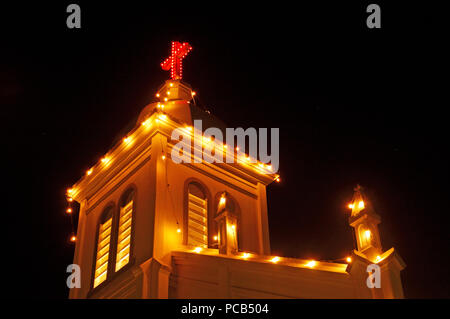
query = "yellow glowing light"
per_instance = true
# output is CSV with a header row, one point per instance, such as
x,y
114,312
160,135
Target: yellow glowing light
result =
x,y
349,259
69,199
105,160
166,99
193,93
278,179
350,206
163,157
378,258
89,172
237,148
69,210
178,230
189,128
215,238
361,205
367,234
162,116
171,84
225,146
232,226
207,139
275,259
168,92
157,94
73,239
222,200
127,140
269,167
70,191
311,264
245,255
147,122
198,249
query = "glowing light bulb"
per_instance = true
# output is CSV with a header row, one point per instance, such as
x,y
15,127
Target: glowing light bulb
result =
x,y
193,93
361,204
378,258
311,264
105,160
350,206
207,139
89,172
233,227
245,255
171,84
215,238
162,117
222,200
168,92
278,179
73,238
69,210
69,190
147,123
69,199
349,259
178,230
198,249
127,140
189,128
163,157
275,259
367,234
237,148
166,99
157,94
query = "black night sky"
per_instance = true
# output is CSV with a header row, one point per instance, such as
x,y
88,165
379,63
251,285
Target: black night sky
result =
x,y
354,105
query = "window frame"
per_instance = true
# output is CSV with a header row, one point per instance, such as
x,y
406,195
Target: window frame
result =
x,y
112,274
209,213
109,208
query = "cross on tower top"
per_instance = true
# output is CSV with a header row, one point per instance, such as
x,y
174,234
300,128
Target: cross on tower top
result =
x,y
174,62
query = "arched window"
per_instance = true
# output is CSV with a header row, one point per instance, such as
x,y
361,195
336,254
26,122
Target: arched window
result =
x,y
103,246
124,230
365,236
197,216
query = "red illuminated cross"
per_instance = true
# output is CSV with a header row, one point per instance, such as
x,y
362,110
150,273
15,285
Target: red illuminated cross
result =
x,y
174,63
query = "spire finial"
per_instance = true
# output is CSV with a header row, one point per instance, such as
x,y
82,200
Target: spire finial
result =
x,y
174,62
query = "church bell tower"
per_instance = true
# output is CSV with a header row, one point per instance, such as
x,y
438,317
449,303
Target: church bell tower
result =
x,y
139,207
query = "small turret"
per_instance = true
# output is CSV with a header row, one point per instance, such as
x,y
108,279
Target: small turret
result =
x,y
365,222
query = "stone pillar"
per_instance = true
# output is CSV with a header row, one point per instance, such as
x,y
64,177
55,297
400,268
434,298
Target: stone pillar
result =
x,y
155,279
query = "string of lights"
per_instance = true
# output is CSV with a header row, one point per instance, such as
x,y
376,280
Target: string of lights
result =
x,y
69,211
